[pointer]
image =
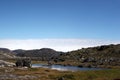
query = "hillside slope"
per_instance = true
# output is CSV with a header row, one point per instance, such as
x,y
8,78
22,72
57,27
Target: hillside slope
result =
x,y
94,56
6,53
41,54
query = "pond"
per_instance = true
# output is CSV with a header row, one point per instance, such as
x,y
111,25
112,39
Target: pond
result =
x,y
65,68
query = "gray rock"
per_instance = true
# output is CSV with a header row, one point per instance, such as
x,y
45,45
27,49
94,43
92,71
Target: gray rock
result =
x,y
23,63
5,63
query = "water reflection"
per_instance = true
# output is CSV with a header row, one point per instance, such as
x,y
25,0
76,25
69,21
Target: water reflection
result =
x,y
65,68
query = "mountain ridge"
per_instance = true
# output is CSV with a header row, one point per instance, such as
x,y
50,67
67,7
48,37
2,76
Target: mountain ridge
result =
x,y
94,56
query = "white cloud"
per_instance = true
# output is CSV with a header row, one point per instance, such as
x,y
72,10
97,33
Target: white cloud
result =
x,y
57,44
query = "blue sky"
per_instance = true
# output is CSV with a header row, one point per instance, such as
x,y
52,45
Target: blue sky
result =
x,y
56,23
26,19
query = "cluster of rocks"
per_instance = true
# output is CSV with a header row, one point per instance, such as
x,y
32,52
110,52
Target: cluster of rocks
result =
x,y
18,63
99,62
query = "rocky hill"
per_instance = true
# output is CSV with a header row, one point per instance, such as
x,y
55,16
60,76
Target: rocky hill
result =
x,y
41,54
6,53
100,55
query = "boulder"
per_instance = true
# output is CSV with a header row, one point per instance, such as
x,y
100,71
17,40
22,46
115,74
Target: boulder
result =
x,y
23,63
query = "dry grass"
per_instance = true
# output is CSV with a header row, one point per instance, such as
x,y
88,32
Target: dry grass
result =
x,y
47,74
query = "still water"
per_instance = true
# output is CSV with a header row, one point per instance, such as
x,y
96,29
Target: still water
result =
x,y
65,68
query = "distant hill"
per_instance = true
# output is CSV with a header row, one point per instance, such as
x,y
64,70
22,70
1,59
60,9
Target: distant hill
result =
x,y
18,51
6,53
42,54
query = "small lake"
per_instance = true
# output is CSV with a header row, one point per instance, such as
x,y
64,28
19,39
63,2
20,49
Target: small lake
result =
x,y
65,68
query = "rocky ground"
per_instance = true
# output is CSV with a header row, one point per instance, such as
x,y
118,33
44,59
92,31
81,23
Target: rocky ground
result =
x,y
7,70
5,63
16,77
9,73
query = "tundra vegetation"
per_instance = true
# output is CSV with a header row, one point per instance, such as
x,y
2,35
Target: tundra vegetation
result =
x,y
14,73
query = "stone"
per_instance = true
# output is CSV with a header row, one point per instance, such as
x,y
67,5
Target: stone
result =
x,y
23,63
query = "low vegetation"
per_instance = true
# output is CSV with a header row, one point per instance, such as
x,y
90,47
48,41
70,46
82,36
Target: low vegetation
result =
x,y
47,74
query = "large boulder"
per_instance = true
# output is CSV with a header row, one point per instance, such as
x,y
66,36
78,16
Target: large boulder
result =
x,y
23,63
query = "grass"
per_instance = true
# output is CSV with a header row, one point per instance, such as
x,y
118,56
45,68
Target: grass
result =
x,y
91,75
47,74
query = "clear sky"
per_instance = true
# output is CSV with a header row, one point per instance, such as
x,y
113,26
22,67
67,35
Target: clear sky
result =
x,y
33,19
59,24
